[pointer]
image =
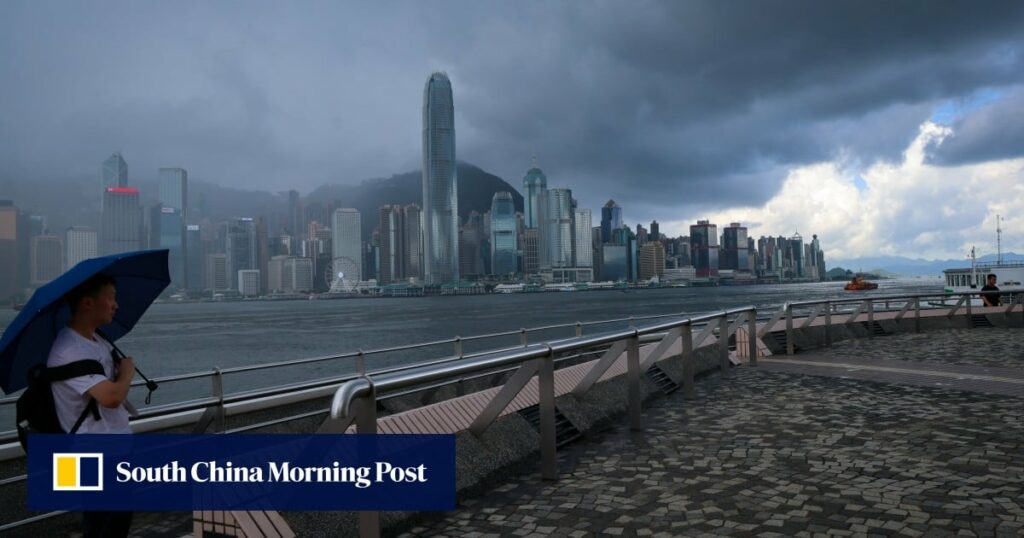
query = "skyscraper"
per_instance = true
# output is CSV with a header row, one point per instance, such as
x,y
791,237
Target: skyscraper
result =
x,y
413,241
504,244
655,231
47,259
534,185
122,220
611,220
440,183
734,248
193,257
240,245
10,280
583,244
81,244
392,244
556,229
174,189
115,173
347,244
704,248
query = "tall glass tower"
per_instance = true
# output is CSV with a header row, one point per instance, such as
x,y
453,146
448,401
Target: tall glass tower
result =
x,y
534,185
115,174
504,247
440,183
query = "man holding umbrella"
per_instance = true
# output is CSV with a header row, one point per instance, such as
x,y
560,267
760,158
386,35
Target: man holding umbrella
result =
x,y
93,304
74,318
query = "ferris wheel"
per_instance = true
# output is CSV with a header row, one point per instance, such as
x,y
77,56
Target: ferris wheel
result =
x,y
336,275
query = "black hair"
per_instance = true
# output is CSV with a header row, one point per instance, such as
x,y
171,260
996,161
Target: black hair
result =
x,y
90,288
991,275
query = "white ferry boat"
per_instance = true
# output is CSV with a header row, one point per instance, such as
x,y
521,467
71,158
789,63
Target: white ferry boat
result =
x,y
1009,277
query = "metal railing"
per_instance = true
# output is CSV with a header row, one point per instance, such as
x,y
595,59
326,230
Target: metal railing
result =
x,y
355,395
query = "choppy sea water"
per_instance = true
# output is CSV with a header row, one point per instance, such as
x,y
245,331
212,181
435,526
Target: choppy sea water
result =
x,y
180,338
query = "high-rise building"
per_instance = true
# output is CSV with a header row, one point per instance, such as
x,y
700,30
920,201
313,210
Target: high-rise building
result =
x,y
241,248
295,217
217,273
655,231
122,220
413,242
504,244
652,260
583,243
392,244
531,251
556,229
734,254
704,248
193,258
797,245
81,243
440,183
347,244
10,281
249,283
299,274
114,174
172,238
535,183
611,220
47,259
174,189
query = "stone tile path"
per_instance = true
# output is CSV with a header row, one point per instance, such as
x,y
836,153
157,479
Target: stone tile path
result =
x,y
772,453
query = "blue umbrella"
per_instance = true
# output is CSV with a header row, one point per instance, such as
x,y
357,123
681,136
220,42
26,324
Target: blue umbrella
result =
x,y
140,277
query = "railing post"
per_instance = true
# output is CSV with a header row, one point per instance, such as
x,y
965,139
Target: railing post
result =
x,y
365,409
723,344
458,346
970,313
633,382
579,329
790,346
871,318
828,323
522,337
548,442
752,336
689,390
917,314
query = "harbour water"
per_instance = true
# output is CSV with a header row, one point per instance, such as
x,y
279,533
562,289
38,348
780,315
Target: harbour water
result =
x,y
180,338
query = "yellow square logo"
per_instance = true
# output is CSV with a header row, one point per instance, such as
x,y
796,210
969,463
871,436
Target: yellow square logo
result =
x,y
77,472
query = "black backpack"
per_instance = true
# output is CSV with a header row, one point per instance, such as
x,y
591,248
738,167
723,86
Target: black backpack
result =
x,y
36,411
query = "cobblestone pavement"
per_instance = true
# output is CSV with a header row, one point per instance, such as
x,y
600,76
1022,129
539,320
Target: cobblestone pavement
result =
x,y
766,453
991,346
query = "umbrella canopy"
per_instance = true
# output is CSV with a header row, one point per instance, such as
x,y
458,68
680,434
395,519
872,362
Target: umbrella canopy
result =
x,y
140,277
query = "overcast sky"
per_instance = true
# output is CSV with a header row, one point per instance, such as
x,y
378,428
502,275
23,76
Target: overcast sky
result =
x,y
853,120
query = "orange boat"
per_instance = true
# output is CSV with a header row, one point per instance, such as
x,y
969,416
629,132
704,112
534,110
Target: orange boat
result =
x,y
859,284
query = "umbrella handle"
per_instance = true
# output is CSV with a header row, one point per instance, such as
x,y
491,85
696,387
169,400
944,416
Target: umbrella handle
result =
x,y
118,355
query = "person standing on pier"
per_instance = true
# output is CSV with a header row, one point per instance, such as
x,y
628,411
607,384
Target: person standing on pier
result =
x,y
992,298
93,403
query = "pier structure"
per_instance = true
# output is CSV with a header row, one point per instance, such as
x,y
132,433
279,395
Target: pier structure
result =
x,y
774,404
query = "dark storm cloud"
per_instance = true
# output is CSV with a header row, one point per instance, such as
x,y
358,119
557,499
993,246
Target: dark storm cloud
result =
x,y
994,132
666,107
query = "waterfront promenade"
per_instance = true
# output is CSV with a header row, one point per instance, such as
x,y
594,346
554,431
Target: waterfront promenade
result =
x,y
905,435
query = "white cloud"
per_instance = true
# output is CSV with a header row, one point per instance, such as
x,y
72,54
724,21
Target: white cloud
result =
x,y
910,208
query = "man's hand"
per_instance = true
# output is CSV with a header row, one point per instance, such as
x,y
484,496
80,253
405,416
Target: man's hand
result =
x,y
112,393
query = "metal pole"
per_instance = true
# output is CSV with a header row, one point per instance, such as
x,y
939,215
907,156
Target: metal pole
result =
x,y
828,323
970,313
752,336
579,329
917,314
871,318
522,337
366,422
633,372
548,442
458,346
723,344
689,390
790,347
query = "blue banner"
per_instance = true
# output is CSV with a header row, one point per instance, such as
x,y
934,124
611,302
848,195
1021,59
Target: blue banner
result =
x,y
155,472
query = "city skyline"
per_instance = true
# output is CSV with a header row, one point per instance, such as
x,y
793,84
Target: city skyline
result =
x,y
925,103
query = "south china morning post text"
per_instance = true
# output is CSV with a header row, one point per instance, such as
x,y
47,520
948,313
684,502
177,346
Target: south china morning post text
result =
x,y
154,472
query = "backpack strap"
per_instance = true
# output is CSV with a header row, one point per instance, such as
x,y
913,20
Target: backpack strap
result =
x,y
78,369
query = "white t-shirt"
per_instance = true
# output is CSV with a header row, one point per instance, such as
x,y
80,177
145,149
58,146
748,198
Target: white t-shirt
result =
x,y
71,396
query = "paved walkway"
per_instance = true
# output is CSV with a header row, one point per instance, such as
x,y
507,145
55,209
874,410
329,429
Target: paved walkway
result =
x,y
772,452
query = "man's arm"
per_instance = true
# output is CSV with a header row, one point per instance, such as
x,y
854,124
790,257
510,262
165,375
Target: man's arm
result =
x,y
113,393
